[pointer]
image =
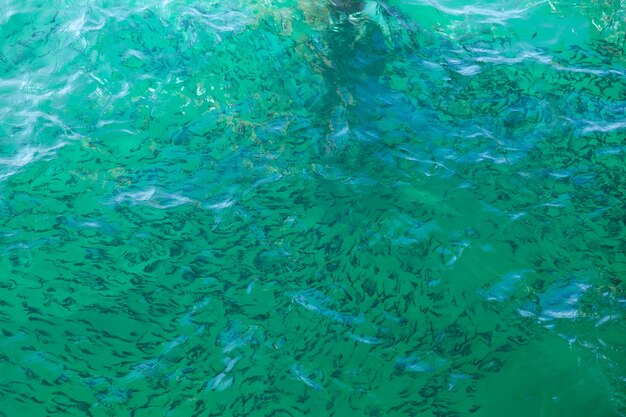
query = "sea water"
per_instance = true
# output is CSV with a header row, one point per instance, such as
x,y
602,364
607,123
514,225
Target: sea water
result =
x,y
290,208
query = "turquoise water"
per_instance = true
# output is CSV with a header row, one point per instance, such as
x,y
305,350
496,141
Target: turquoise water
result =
x,y
254,208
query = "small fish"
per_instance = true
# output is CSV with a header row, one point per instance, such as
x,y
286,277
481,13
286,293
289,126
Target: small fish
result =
x,y
300,373
368,340
220,382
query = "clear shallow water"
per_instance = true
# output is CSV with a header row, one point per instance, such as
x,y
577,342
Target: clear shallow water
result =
x,y
244,208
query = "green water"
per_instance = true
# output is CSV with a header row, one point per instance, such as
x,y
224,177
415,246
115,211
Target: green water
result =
x,y
255,208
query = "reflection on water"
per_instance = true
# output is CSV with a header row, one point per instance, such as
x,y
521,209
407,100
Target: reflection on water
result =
x,y
320,207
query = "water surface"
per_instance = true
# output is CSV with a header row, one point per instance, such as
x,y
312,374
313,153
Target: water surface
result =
x,y
283,208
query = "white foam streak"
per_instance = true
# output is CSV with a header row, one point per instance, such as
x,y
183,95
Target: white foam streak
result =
x,y
603,128
10,166
490,15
